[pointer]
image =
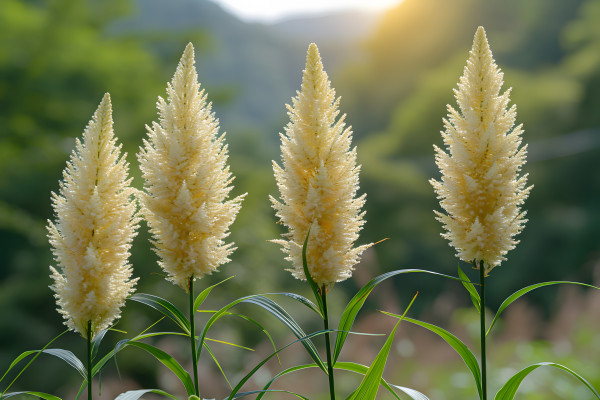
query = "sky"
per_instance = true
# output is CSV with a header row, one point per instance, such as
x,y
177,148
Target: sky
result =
x,y
273,10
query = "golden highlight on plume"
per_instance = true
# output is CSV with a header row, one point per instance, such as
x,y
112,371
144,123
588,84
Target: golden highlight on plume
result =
x,y
480,190
95,224
187,181
318,182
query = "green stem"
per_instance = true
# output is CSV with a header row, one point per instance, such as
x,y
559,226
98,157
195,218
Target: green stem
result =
x,y
482,323
323,291
89,359
193,336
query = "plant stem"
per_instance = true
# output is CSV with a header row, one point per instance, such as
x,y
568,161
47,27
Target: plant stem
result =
x,y
193,335
482,323
323,291
89,359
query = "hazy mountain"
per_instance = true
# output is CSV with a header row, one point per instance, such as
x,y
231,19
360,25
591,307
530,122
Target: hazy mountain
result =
x,y
249,69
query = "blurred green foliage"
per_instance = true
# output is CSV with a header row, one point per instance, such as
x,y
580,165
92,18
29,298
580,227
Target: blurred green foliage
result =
x,y
58,57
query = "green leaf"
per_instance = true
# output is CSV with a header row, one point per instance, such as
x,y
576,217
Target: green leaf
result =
x,y
204,294
368,388
264,361
164,307
240,395
525,290
471,289
165,359
311,282
38,394
300,299
278,312
508,391
344,366
68,357
217,363
462,350
136,394
356,303
24,355
412,393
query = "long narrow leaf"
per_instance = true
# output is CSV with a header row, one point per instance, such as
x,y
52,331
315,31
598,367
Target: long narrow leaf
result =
x,y
24,355
263,362
240,395
356,303
70,358
368,388
470,288
462,350
217,363
136,394
412,393
300,299
165,359
528,289
204,294
508,391
38,394
164,307
311,282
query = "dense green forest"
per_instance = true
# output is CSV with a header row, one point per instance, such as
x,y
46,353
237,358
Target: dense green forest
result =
x,y
395,74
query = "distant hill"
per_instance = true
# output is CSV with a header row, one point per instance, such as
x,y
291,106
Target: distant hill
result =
x,y
249,69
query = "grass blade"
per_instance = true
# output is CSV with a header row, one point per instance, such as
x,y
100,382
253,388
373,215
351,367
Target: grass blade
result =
x,y
470,288
217,363
204,294
263,362
136,394
368,388
164,307
462,350
240,395
278,312
508,391
311,282
528,289
38,394
356,303
412,393
165,359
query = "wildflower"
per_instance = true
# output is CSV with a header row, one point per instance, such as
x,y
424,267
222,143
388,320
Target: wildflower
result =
x,y
481,190
318,182
187,181
95,224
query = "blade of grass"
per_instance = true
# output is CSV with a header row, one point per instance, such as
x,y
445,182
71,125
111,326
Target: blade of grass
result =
x,y
204,294
357,302
462,350
368,388
45,396
218,365
136,394
470,288
164,307
313,285
528,289
508,391
165,359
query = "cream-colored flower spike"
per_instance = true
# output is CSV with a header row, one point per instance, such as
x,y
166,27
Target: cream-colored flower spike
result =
x,y
96,221
481,190
187,181
318,182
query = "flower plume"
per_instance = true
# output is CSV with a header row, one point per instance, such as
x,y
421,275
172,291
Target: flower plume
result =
x,y
318,182
480,190
95,224
187,181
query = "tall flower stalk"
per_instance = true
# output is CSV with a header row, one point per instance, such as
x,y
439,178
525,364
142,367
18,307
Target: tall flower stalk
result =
x,y
318,183
187,183
481,190
91,237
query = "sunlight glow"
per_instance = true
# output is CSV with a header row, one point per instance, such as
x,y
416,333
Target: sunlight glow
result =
x,y
269,10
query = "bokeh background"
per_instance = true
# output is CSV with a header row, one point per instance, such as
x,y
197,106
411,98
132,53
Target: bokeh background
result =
x,y
395,72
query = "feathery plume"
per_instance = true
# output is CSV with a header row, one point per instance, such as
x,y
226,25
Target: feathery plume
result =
x,y
187,181
95,224
318,182
481,190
